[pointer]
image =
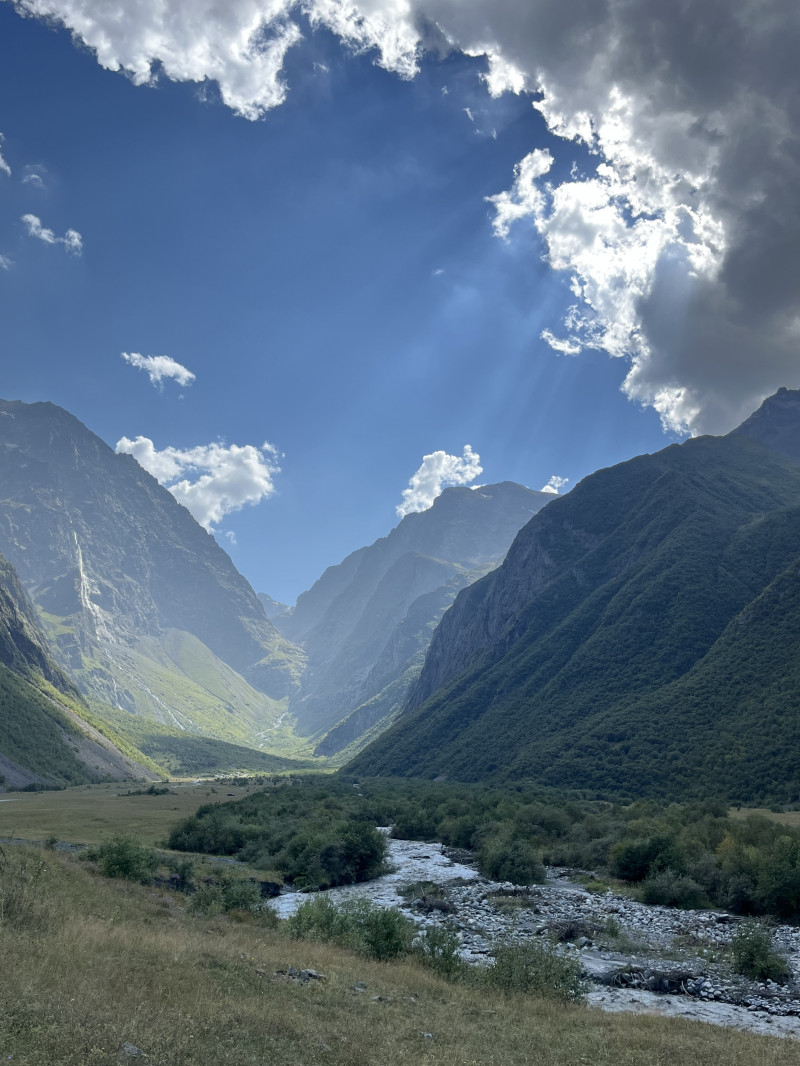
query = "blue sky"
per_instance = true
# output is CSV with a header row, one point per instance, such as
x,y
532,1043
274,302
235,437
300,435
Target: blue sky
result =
x,y
332,275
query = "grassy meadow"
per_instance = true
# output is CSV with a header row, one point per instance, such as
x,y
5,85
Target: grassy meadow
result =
x,y
89,814
91,964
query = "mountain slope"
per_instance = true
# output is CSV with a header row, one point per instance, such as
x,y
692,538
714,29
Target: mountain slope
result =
x,y
116,567
44,737
365,624
616,648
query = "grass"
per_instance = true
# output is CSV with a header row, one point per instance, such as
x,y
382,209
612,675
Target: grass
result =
x,y
100,963
791,818
90,814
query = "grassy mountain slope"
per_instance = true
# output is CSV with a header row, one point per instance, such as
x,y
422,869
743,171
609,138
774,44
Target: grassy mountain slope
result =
x,y
141,606
46,735
619,647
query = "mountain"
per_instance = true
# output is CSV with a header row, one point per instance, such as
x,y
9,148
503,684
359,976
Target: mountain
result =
x,y
642,636
365,624
44,735
141,605
273,608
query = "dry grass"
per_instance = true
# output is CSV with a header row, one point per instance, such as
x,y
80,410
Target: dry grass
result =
x,y
97,963
791,818
91,813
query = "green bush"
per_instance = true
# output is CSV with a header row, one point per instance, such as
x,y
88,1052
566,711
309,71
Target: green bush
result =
x,y
511,860
753,953
672,890
208,901
535,968
123,856
377,932
437,947
226,894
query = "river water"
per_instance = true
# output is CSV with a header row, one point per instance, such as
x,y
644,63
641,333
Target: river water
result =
x,y
656,928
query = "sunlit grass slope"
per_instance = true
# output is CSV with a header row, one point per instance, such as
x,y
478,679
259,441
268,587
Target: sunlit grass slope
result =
x,y
90,965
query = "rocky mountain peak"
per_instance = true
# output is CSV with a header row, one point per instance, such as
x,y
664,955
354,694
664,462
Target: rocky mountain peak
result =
x,y
776,423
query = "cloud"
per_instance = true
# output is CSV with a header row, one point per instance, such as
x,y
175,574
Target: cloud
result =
x,y
72,240
570,346
555,484
6,263
4,167
681,237
211,480
160,368
33,178
438,470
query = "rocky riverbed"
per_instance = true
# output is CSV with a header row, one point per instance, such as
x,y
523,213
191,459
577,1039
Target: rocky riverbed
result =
x,y
636,957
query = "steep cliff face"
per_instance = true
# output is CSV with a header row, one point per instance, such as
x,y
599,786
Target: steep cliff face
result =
x,y
365,622
597,647
43,736
111,560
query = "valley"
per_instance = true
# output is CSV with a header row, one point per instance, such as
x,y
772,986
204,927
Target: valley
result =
x,y
590,699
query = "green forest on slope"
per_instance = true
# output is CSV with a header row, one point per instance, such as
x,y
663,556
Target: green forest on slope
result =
x,y
658,659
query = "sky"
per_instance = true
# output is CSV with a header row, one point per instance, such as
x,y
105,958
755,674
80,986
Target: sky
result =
x,y
312,262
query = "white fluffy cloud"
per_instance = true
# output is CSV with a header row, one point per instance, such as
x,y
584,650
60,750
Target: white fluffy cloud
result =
x,y
210,480
680,242
4,167
160,368
5,262
72,240
438,470
555,484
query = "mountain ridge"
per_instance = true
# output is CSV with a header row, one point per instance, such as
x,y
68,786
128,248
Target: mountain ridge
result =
x,y
616,597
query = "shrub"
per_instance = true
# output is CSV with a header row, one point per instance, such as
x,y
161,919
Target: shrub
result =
x,y
226,894
207,900
511,860
123,856
377,932
671,890
437,947
535,968
754,955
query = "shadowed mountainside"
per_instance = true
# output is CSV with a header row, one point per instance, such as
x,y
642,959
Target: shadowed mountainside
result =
x,y
365,624
641,637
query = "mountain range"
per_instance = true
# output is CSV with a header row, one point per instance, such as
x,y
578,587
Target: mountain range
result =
x,y
45,736
642,636
637,636
365,625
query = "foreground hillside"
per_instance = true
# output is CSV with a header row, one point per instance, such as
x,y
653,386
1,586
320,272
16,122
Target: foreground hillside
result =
x,y
641,638
154,981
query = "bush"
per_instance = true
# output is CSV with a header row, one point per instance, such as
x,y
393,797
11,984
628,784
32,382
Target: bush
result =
x,y
377,932
437,947
754,955
511,860
123,856
535,968
227,894
671,890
